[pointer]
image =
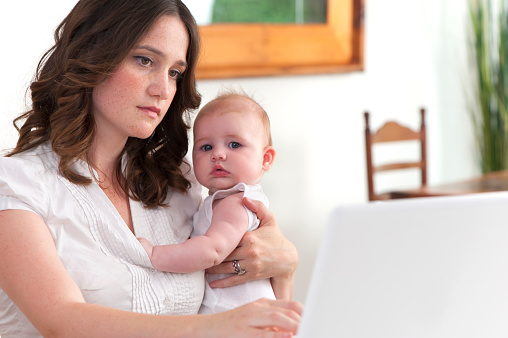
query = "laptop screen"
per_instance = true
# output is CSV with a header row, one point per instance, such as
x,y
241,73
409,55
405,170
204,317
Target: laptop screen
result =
x,y
428,267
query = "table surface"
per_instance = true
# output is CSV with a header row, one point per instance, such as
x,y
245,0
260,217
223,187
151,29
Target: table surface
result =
x,y
491,182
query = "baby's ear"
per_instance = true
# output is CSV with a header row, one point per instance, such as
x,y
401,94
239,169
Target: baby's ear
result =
x,y
268,157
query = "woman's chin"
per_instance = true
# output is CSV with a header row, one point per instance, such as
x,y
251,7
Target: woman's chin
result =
x,y
143,133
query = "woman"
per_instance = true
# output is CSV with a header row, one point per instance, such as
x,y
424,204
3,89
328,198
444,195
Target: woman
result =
x,y
99,162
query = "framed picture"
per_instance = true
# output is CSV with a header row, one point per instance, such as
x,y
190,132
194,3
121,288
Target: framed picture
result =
x,y
264,49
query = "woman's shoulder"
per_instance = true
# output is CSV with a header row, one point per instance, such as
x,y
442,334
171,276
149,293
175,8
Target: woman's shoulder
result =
x,y
27,178
37,159
37,167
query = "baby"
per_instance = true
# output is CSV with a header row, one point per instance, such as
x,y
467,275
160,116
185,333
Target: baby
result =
x,y
232,150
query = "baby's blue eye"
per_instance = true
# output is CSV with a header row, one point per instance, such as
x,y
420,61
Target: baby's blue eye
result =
x,y
206,147
234,145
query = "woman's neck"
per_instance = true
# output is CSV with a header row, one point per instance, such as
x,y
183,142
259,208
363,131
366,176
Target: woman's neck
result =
x,y
104,159
104,156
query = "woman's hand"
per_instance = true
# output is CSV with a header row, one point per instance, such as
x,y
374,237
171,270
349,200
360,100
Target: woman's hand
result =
x,y
263,253
262,318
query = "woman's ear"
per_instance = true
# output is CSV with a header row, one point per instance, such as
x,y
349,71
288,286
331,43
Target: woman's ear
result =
x,y
268,157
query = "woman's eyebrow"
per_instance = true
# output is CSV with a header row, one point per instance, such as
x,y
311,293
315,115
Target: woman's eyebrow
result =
x,y
160,53
150,48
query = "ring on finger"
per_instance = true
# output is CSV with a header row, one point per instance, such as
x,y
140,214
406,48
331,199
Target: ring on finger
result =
x,y
238,269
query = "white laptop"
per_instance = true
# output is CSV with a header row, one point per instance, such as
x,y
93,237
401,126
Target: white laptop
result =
x,y
429,267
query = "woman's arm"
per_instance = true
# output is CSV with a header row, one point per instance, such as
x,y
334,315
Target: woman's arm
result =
x,y
262,253
34,278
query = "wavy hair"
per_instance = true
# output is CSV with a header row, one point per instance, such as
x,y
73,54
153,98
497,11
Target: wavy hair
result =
x,y
90,44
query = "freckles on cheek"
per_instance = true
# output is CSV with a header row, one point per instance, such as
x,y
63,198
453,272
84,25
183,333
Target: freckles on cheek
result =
x,y
120,91
125,88
115,100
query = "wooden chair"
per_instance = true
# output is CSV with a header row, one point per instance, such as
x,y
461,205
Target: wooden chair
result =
x,y
392,132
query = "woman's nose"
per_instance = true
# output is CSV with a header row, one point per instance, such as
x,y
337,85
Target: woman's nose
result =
x,y
161,86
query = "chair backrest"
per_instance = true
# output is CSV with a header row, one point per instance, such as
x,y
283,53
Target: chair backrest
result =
x,y
392,132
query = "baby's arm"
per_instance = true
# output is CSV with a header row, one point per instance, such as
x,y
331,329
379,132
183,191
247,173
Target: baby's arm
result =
x,y
229,224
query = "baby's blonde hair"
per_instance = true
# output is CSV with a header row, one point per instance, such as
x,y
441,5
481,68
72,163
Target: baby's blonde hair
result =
x,y
229,93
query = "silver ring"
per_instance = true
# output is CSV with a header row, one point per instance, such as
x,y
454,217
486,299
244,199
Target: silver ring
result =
x,y
239,271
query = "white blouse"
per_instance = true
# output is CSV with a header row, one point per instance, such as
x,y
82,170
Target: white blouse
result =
x,y
95,245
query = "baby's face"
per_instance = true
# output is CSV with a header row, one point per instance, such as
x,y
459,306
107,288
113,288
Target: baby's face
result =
x,y
229,145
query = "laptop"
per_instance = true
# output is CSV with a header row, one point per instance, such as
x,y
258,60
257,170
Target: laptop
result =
x,y
427,267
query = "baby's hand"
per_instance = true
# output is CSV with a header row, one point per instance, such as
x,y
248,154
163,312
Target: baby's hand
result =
x,y
147,246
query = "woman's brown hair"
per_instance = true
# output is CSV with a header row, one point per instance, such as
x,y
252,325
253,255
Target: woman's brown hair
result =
x,y
90,44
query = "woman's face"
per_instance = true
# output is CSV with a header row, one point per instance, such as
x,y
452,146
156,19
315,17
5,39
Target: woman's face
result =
x,y
135,98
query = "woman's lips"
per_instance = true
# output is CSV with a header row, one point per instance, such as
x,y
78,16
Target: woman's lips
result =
x,y
151,111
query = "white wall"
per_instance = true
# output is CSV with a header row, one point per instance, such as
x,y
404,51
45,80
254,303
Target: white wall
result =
x,y
415,55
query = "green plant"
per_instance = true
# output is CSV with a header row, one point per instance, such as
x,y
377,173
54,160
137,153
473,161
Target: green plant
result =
x,y
490,111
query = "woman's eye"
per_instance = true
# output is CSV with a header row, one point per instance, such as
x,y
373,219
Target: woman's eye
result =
x,y
206,147
234,145
175,74
144,60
